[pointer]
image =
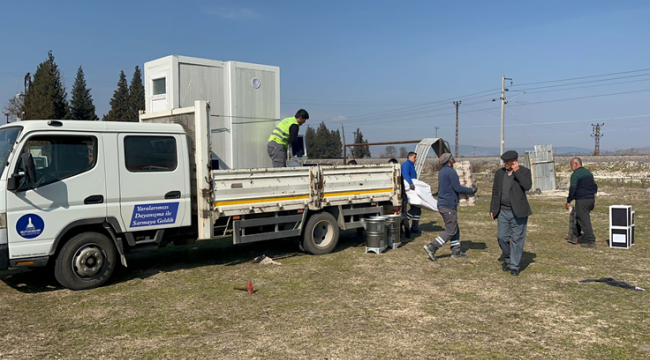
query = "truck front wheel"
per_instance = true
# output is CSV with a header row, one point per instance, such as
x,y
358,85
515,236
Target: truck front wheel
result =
x,y
86,261
321,234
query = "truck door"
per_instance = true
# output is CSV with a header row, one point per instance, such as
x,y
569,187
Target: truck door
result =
x,y
70,188
154,188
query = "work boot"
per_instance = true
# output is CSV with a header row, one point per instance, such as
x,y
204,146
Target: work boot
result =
x,y
514,272
457,254
589,245
414,227
407,231
574,241
431,250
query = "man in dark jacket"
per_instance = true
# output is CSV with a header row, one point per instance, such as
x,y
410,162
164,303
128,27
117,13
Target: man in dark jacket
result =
x,y
583,190
510,206
448,189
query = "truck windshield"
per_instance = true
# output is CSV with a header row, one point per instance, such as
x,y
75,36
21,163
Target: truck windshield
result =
x,y
8,137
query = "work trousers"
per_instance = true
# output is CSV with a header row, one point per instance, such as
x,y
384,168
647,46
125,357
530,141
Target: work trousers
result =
x,y
451,232
512,235
572,226
414,213
278,154
583,220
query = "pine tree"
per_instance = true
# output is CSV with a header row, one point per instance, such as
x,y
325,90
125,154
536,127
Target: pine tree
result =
x,y
81,105
136,96
336,145
46,96
120,101
359,152
310,139
322,141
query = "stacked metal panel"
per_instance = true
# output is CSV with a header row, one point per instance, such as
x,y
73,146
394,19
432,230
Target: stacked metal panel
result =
x,y
464,171
541,163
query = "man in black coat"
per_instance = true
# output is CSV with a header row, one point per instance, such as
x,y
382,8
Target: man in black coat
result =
x,y
510,206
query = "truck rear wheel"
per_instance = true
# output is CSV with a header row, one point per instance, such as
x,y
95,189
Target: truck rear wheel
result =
x,y
321,234
86,261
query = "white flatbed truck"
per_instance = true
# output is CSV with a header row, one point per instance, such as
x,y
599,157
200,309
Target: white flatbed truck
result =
x,y
104,189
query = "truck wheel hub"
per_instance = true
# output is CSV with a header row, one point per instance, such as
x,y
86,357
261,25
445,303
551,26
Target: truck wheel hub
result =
x,y
88,261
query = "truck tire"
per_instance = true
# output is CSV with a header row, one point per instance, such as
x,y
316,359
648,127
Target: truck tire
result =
x,y
86,261
321,234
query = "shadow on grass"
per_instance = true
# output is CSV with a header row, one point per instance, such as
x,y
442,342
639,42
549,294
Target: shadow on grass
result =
x,y
527,258
30,281
466,245
431,227
142,265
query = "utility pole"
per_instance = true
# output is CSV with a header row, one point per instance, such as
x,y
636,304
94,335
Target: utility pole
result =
x,y
457,103
474,151
597,135
503,105
437,127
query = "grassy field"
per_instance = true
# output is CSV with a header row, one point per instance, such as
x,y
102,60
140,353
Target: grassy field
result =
x,y
179,302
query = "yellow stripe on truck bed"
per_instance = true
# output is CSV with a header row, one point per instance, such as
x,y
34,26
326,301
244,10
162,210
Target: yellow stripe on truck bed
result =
x,y
299,197
253,201
348,193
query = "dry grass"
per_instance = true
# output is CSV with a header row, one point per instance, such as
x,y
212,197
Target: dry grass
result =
x,y
179,302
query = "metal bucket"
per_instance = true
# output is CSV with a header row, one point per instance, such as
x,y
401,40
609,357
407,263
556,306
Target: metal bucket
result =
x,y
393,237
375,234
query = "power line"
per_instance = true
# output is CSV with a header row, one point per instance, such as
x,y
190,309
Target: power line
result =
x,y
585,97
423,105
583,82
583,77
589,86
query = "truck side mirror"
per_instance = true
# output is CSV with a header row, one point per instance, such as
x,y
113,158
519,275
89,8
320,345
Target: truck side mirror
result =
x,y
26,180
30,168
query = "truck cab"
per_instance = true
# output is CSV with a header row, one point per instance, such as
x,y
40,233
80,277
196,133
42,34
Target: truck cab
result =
x,y
73,192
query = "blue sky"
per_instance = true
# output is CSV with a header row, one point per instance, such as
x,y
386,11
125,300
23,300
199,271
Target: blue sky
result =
x,y
390,68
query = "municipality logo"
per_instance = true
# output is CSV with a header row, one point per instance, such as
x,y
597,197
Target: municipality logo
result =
x,y
30,226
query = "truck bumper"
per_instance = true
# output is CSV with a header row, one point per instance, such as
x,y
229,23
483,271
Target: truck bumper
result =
x,y
30,262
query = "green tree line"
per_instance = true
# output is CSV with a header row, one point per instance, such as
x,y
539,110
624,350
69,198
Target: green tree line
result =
x,y
323,143
45,97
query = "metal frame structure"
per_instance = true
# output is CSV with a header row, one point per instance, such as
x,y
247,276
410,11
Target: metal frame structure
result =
x,y
422,149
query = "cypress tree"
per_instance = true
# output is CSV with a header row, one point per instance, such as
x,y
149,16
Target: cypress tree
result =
x,y
46,96
359,152
323,142
120,101
136,96
336,148
310,139
81,105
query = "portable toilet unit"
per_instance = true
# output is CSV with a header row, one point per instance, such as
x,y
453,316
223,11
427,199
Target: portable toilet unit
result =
x,y
244,103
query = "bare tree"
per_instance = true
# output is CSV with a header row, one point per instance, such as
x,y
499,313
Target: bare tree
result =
x,y
391,152
13,109
402,152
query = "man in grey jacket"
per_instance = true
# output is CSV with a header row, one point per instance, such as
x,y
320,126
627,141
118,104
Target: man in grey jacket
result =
x,y
510,206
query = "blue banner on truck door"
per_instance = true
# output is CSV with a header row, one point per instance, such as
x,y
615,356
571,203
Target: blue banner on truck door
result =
x,y
154,214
